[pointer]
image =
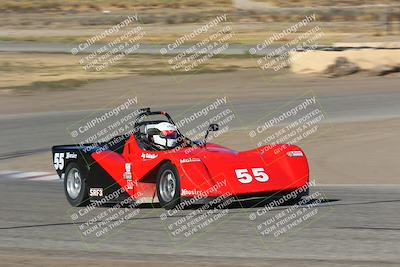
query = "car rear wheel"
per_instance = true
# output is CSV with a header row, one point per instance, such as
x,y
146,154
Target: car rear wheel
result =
x,y
75,187
168,186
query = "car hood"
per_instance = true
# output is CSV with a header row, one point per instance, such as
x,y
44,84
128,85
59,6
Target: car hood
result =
x,y
224,165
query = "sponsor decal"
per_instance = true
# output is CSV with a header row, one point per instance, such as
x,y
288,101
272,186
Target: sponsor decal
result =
x,y
186,192
59,159
71,155
149,156
96,192
127,174
189,160
129,185
296,153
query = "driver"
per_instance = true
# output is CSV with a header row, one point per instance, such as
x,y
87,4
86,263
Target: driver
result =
x,y
167,137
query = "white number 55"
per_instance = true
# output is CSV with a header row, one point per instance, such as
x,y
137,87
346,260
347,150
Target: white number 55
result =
x,y
59,161
258,173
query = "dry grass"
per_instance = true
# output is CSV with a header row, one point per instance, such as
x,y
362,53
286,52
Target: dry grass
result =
x,y
310,3
98,5
244,33
20,72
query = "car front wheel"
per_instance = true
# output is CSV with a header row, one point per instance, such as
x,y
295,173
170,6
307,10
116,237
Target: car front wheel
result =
x,y
168,186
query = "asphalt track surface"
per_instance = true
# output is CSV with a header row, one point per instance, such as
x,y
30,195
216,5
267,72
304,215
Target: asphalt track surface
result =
x,y
20,132
353,226
356,225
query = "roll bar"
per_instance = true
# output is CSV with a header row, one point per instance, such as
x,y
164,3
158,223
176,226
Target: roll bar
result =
x,y
145,112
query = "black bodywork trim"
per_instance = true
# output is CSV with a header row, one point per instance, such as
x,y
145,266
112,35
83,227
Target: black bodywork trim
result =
x,y
94,175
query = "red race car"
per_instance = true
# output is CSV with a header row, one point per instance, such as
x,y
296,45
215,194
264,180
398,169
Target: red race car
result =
x,y
156,161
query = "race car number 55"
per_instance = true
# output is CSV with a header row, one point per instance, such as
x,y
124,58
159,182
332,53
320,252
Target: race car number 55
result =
x,y
59,161
245,177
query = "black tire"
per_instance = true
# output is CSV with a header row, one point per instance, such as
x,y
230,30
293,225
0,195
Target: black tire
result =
x,y
79,197
170,199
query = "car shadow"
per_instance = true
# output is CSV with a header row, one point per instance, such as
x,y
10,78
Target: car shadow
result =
x,y
267,202
246,204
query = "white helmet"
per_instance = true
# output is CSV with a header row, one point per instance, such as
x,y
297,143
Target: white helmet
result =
x,y
168,134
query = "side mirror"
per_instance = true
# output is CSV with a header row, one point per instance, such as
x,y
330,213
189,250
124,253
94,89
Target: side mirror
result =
x,y
212,128
153,131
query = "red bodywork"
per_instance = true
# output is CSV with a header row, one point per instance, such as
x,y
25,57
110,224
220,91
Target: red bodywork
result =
x,y
201,168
